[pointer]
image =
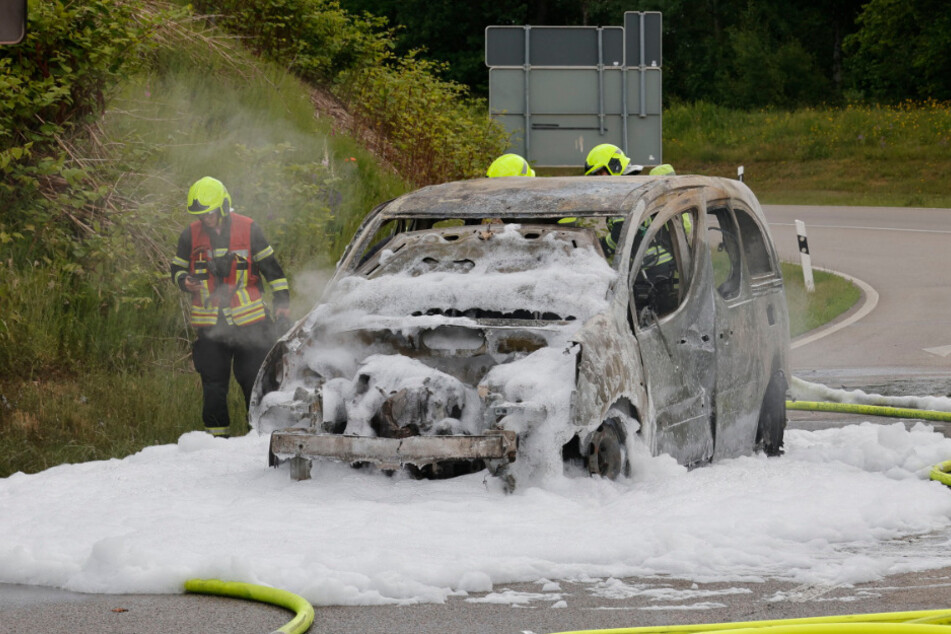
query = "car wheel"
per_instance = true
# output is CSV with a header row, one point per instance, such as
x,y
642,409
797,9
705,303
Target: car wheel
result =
x,y
607,456
772,416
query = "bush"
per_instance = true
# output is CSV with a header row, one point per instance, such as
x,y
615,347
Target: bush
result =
x,y
53,82
424,126
315,39
66,253
427,128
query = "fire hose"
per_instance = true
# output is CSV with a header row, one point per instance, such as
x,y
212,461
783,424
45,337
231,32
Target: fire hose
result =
x,y
917,622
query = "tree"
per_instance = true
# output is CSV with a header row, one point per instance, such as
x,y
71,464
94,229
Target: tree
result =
x,y
902,50
452,32
735,52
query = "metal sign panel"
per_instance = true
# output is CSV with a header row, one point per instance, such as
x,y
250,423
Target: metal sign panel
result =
x,y
12,21
554,45
504,46
576,91
642,38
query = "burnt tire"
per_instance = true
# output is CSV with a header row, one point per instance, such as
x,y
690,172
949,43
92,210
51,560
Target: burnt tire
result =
x,y
607,454
772,416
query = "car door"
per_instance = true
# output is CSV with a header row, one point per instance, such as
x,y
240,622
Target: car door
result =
x,y
672,315
739,254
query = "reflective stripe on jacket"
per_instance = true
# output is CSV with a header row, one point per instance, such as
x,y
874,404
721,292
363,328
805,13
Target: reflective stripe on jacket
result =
x,y
238,294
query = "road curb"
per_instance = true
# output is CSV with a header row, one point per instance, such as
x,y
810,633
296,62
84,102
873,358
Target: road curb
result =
x,y
867,304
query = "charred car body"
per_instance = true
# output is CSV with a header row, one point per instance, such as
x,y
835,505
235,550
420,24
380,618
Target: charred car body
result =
x,y
521,324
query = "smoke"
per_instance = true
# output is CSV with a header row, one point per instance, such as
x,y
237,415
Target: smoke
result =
x,y
308,287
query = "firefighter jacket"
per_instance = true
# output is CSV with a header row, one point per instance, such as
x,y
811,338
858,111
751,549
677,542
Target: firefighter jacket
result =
x,y
231,267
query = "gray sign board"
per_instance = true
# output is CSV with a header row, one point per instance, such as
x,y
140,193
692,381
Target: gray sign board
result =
x,y
12,21
553,46
642,38
576,91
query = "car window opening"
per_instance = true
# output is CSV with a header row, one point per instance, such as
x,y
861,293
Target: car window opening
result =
x,y
659,283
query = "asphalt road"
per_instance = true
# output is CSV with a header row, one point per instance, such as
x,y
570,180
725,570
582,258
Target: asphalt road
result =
x,y
54,612
901,256
902,345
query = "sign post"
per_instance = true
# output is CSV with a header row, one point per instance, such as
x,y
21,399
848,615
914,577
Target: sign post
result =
x,y
804,256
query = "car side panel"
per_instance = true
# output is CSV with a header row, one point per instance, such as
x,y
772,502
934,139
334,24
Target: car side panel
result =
x,y
677,352
752,336
609,370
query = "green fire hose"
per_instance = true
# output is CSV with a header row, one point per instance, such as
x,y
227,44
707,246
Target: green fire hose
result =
x,y
869,410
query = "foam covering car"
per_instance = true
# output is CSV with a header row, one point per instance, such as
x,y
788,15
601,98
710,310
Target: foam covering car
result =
x,y
537,327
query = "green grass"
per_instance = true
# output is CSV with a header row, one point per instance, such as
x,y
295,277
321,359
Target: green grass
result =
x,y
832,297
856,155
254,128
100,416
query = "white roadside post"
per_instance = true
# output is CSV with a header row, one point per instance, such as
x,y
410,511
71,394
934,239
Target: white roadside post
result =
x,y
739,173
804,256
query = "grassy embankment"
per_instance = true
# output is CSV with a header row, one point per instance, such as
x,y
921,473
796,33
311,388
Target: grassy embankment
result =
x,y
254,126
833,296
96,380
855,155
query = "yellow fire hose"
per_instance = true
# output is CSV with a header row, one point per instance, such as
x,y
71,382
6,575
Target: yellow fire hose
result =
x,y
915,622
869,410
263,594
918,622
942,473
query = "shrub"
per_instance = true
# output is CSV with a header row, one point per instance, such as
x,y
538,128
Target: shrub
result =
x,y
53,82
428,128
315,39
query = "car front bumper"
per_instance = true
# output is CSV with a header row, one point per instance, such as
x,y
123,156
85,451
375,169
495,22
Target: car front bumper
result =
x,y
302,445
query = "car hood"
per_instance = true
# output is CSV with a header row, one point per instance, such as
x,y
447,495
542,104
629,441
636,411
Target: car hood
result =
x,y
490,271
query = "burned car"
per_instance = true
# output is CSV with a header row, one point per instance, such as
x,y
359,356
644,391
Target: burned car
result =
x,y
533,325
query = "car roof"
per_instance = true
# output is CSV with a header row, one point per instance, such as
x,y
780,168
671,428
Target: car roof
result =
x,y
544,196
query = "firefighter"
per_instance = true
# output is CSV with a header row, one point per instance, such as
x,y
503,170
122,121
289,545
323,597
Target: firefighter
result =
x,y
655,282
609,160
666,169
509,165
222,261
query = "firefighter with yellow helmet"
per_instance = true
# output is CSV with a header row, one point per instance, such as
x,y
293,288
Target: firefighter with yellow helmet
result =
x,y
222,261
658,267
609,160
509,165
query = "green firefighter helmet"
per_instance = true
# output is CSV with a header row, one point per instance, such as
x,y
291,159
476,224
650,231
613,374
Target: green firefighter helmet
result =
x,y
509,165
609,157
208,195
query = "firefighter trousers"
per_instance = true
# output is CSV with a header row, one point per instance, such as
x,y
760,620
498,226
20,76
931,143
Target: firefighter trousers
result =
x,y
216,351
